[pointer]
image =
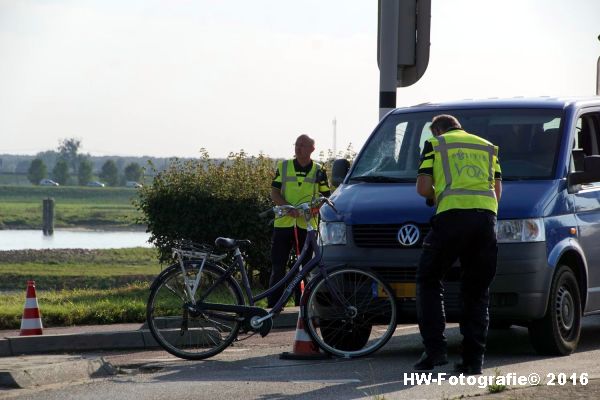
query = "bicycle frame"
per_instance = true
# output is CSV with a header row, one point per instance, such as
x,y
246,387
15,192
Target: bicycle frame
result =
x,y
292,278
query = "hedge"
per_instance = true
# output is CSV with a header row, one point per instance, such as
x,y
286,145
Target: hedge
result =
x,y
201,200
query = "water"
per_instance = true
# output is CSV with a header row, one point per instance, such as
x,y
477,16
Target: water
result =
x,y
71,239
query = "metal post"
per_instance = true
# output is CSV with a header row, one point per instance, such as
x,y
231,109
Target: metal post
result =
x,y
48,216
388,53
598,77
334,138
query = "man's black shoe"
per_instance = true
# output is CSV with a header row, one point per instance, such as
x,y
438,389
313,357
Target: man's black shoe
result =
x,y
427,362
468,369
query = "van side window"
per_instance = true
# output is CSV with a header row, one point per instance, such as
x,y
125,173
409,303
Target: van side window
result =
x,y
586,139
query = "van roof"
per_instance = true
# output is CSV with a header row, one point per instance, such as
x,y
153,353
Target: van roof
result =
x,y
515,102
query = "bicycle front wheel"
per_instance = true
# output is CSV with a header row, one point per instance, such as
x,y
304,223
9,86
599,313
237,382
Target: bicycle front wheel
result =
x,y
350,312
177,327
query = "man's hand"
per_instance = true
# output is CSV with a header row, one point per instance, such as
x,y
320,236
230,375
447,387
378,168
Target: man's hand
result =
x,y
294,213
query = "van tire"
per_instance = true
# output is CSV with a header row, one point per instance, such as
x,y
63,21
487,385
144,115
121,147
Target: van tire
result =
x,y
557,333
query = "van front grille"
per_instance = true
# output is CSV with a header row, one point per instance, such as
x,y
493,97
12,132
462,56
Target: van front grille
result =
x,y
384,236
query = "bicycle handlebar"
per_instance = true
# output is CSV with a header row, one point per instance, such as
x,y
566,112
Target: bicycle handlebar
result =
x,y
307,207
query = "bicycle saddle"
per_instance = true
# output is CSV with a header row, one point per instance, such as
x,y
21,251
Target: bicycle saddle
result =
x,y
228,243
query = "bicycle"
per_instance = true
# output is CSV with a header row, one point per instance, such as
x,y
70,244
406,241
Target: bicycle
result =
x,y
196,308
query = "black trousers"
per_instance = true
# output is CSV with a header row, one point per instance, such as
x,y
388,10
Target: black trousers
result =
x,y
467,235
282,242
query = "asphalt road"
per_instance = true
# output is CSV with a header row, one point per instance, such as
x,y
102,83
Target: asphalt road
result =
x,y
252,370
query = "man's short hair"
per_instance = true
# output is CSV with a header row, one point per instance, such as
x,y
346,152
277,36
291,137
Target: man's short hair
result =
x,y
444,123
307,138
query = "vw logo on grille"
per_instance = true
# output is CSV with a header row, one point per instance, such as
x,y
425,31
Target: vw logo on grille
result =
x,y
408,235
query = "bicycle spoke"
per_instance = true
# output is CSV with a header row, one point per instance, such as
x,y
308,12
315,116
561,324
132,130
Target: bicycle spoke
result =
x,y
189,336
175,293
345,315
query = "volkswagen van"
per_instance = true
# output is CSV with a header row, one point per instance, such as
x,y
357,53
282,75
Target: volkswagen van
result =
x,y
548,229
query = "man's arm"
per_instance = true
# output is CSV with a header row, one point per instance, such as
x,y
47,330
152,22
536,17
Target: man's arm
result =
x,y
280,201
425,186
424,174
277,197
498,189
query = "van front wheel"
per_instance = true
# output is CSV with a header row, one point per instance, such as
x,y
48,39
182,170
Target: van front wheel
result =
x,y
557,333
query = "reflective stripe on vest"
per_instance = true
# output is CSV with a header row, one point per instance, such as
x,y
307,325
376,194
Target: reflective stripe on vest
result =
x,y
443,147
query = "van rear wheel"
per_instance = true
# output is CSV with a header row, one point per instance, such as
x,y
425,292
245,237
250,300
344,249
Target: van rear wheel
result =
x,y
557,333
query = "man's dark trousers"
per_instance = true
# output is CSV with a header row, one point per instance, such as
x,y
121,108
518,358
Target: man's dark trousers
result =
x,y
467,235
282,242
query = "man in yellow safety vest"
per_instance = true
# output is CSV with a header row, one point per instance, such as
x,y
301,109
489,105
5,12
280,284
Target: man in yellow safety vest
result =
x,y
460,174
296,181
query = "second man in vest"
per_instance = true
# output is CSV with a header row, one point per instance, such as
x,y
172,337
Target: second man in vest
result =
x,y
296,181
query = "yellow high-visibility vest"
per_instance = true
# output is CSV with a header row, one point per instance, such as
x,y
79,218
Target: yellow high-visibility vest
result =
x,y
295,193
463,172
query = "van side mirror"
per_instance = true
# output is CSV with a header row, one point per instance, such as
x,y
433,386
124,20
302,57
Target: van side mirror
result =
x,y
339,170
590,173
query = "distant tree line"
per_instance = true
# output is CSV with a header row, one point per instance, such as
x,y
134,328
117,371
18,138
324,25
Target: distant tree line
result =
x,y
73,167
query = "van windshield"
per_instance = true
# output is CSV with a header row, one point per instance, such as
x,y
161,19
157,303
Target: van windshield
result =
x,y
528,140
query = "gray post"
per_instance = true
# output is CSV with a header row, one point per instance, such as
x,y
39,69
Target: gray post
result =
x,y
48,216
388,53
598,77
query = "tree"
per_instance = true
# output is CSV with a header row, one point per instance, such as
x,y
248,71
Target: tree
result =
x,y
68,148
110,173
84,173
37,171
133,172
60,172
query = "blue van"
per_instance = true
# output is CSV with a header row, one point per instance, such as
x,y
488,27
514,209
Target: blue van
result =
x,y
548,230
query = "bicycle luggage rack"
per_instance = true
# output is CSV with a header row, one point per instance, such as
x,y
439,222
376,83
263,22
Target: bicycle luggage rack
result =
x,y
195,251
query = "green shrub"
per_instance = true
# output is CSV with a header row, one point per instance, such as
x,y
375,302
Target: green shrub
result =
x,y
201,200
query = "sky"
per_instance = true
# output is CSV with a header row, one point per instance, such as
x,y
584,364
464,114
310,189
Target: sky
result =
x,y
169,77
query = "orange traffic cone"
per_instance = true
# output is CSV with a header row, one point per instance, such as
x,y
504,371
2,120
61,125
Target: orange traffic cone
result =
x,y
304,347
31,323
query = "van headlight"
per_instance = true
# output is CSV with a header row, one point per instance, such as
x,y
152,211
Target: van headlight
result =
x,y
520,230
332,233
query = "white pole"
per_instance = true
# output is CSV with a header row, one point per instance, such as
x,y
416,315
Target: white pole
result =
x,y
334,138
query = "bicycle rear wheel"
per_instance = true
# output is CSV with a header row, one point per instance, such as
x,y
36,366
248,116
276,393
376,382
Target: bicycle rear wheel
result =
x,y
350,313
186,334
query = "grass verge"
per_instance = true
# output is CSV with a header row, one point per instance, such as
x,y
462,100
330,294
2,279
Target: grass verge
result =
x,y
77,268
79,287
80,306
